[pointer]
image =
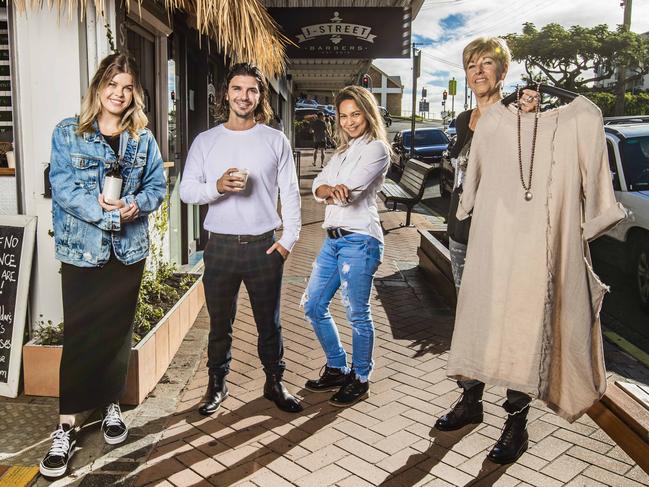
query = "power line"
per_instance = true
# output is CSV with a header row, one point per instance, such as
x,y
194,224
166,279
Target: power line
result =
x,y
512,16
442,60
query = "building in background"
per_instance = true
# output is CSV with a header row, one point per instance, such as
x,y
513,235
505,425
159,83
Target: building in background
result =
x,y
388,90
640,85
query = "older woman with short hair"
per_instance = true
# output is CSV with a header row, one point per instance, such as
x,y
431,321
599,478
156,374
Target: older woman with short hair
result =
x,y
486,62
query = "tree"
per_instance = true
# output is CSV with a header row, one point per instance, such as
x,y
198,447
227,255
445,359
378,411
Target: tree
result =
x,y
571,58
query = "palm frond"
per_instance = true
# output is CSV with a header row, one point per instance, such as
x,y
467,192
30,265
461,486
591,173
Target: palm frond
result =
x,y
243,29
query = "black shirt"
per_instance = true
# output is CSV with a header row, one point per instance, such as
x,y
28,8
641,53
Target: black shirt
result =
x,y
319,128
459,230
113,142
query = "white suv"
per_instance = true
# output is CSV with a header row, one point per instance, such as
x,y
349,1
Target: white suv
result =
x,y
628,154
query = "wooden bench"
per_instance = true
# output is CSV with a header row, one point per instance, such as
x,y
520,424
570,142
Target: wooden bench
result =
x,y
410,189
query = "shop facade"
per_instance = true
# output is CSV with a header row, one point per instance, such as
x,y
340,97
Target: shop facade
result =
x,y
50,58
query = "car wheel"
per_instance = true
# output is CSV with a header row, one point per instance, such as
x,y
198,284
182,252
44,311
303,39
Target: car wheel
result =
x,y
641,271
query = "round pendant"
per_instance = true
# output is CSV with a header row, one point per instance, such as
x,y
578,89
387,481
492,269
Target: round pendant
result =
x,y
528,195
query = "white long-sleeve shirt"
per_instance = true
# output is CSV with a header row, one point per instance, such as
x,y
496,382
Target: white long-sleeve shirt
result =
x,y
362,168
267,154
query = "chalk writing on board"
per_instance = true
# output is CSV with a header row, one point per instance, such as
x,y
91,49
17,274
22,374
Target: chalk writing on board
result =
x,y
10,250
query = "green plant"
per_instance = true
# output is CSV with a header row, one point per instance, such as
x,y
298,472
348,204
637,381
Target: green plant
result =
x,y
162,286
109,38
633,104
48,333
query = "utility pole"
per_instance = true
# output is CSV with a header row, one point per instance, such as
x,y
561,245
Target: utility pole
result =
x,y
416,69
621,74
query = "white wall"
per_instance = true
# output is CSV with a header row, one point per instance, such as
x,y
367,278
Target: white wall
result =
x,y
48,80
8,204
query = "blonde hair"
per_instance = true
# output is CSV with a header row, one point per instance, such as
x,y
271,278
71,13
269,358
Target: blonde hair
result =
x,y
367,103
133,119
494,47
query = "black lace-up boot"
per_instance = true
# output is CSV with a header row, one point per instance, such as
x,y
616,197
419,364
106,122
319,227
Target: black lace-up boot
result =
x,y
330,380
350,393
514,439
468,410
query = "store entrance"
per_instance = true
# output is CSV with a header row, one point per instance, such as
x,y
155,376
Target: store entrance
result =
x,y
141,46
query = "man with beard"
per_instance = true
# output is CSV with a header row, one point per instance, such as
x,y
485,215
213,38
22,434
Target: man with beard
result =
x,y
238,168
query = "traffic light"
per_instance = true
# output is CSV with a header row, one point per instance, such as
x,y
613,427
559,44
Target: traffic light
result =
x,y
366,81
444,95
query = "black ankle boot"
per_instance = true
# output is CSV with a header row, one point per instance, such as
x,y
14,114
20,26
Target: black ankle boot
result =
x,y
329,380
216,393
275,391
514,439
467,411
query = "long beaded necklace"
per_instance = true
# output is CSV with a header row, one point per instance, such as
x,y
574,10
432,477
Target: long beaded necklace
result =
x,y
527,187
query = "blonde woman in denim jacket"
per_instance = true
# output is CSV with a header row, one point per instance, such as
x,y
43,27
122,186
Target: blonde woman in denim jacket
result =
x,y
102,247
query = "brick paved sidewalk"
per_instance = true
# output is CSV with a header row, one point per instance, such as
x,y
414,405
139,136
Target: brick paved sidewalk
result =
x,y
386,440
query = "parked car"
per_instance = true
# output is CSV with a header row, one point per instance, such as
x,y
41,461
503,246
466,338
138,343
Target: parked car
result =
x,y
328,110
450,130
306,104
628,155
387,118
430,143
307,113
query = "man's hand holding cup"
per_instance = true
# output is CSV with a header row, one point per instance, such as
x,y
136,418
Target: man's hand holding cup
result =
x,y
233,181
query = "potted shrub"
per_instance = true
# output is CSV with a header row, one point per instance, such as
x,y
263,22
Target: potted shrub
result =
x,y
167,307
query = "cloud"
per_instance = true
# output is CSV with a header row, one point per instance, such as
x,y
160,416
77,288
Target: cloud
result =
x,y
444,27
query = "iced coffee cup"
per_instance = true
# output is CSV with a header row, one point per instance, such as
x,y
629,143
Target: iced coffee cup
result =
x,y
243,174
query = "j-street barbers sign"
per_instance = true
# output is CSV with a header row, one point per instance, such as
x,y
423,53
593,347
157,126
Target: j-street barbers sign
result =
x,y
345,32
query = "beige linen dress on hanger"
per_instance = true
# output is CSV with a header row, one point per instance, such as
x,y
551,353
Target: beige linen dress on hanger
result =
x,y
528,309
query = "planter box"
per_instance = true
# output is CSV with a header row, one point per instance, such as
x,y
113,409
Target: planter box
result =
x,y
149,358
435,260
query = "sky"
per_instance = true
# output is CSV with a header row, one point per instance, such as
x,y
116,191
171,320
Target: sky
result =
x,y
446,26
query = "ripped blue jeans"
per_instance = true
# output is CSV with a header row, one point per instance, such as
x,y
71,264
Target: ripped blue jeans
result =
x,y
348,263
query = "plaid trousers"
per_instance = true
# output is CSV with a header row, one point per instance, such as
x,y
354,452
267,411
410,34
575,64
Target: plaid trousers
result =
x,y
228,263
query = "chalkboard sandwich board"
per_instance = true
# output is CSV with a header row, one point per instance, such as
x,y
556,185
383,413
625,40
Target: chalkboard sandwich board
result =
x,y
17,235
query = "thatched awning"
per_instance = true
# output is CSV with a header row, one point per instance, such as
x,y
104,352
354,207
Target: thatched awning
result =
x,y
243,29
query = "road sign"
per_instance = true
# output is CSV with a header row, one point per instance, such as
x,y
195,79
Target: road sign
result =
x,y
452,87
424,106
417,64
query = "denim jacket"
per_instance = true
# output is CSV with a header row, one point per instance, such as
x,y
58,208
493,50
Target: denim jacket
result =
x,y
83,232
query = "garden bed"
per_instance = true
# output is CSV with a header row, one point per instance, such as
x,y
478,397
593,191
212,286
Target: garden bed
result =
x,y
160,326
